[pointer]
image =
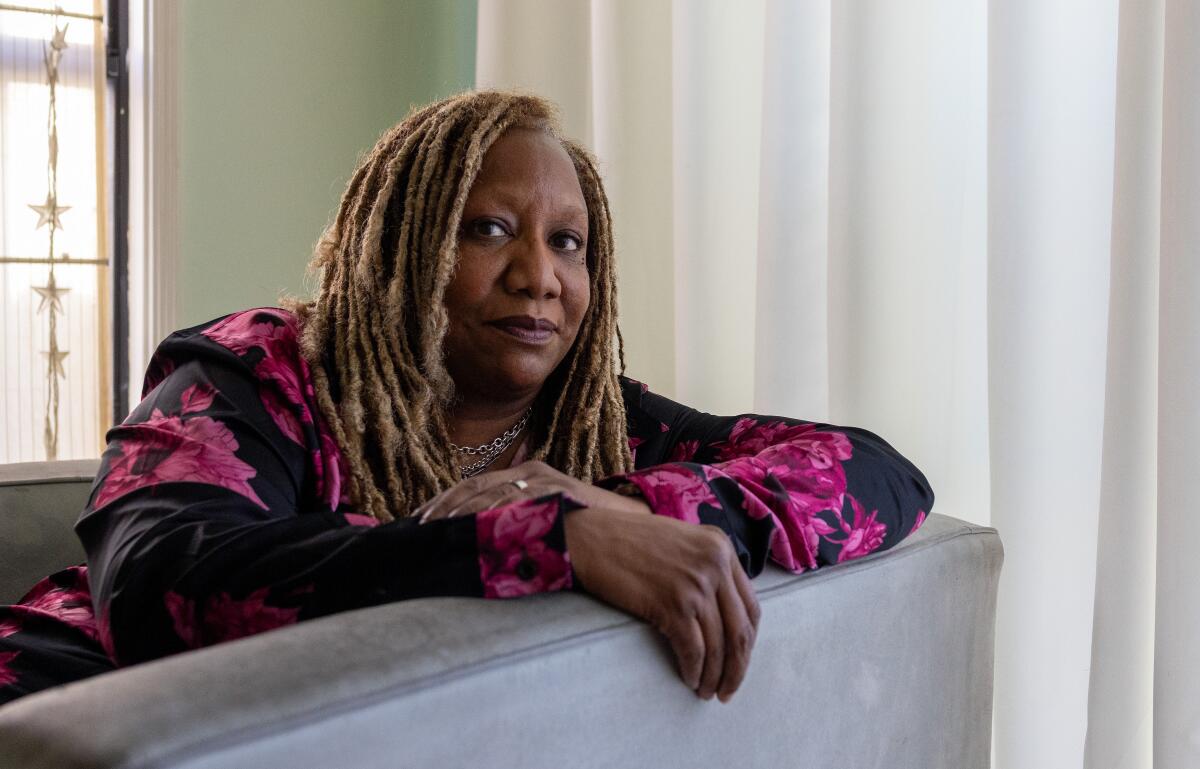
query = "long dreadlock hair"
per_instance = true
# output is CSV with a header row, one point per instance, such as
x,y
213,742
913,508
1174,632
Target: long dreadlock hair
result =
x,y
373,333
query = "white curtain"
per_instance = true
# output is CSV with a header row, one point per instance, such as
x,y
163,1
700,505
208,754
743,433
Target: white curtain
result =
x,y
971,227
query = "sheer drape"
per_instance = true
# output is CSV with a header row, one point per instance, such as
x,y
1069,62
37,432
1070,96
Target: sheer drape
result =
x,y
39,425
969,226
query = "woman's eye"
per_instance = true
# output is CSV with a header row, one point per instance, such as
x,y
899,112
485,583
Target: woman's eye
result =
x,y
487,228
565,241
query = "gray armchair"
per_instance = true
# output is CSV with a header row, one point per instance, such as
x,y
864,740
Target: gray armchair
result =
x,y
882,662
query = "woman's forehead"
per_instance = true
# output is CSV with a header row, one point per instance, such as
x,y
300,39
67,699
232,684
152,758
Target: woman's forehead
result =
x,y
521,148
529,161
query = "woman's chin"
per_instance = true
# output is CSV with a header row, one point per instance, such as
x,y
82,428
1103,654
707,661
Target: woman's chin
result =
x,y
515,381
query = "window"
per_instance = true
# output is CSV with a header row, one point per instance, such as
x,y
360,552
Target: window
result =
x,y
57,363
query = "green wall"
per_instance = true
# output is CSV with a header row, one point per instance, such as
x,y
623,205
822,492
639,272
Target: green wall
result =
x,y
278,98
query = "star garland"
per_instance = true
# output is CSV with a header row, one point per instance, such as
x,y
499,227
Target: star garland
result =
x,y
48,216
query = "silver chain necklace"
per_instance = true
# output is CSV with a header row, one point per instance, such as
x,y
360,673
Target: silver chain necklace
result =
x,y
487,452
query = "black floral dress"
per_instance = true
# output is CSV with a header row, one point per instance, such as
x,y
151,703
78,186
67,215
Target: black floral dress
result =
x,y
220,511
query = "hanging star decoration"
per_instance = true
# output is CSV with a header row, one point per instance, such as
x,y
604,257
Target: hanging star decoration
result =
x,y
59,41
55,362
51,294
58,44
49,212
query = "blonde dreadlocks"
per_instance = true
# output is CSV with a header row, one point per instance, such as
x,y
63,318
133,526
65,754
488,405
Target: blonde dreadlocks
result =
x,y
373,334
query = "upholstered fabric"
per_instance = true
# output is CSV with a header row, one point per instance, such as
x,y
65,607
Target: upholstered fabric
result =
x,y
882,662
39,503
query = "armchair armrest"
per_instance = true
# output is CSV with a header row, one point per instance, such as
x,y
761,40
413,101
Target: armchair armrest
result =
x,y
881,662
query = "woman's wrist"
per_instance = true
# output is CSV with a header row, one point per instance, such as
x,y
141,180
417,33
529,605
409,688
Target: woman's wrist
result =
x,y
632,499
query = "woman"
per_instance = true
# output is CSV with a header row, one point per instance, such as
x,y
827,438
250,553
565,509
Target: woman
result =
x,y
446,417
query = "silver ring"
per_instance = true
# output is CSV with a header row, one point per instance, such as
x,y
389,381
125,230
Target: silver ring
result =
x,y
520,484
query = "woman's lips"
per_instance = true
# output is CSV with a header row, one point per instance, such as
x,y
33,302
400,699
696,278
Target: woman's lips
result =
x,y
526,328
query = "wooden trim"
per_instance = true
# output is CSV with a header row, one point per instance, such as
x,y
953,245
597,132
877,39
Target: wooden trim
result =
x,y
154,231
50,12
103,326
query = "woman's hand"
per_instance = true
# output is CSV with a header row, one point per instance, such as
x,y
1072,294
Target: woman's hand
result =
x,y
682,578
528,480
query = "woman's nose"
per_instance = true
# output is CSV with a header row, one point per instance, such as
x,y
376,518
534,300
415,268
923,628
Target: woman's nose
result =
x,y
531,270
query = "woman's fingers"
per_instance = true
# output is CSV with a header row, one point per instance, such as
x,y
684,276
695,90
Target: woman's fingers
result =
x,y
739,638
488,496
747,593
430,504
687,643
714,650
461,497
685,579
502,495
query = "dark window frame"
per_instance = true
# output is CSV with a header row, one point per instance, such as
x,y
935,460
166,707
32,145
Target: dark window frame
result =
x,y
117,66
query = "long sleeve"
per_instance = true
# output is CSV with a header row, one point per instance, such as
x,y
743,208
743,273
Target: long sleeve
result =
x,y
806,494
218,511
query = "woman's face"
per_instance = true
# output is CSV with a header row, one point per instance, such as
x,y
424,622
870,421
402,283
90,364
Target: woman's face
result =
x,y
520,290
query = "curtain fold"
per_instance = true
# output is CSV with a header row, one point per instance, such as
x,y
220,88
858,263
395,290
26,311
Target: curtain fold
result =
x,y
793,214
967,225
1120,697
907,256
1177,608
1052,74
631,75
716,103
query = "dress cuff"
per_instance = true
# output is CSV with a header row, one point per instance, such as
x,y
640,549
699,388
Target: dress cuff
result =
x,y
675,490
522,547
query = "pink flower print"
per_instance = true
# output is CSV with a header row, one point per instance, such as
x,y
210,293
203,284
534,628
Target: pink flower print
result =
x,y
226,618
864,536
354,519
183,618
7,674
282,415
795,544
282,365
634,442
513,558
684,451
808,461
104,631
508,576
252,328
750,437
196,398
159,369
515,524
171,449
793,556
674,492
775,483
920,520
746,471
329,467
285,374
70,605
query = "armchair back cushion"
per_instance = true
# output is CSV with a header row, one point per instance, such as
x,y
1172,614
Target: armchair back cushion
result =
x,y
39,504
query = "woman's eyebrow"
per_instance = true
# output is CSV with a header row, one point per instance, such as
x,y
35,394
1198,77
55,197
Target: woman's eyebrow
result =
x,y
516,197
